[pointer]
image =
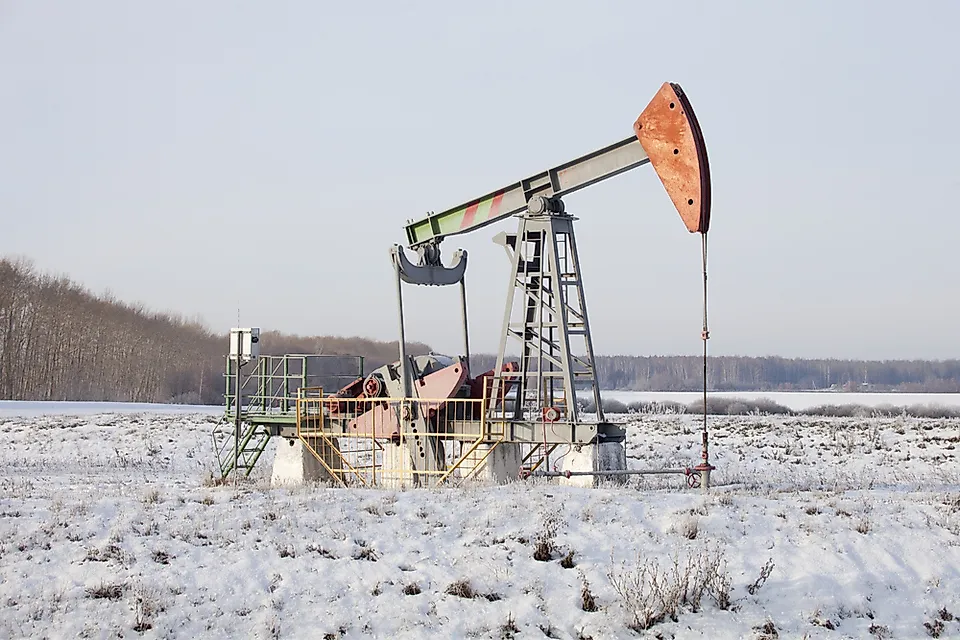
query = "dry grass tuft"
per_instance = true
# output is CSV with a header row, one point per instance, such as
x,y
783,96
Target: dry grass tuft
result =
x,y
461,589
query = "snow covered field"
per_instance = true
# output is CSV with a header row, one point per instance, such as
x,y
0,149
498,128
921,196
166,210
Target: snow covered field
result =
x,y
109,529
25,408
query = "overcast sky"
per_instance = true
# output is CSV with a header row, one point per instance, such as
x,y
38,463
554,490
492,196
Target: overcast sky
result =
x,y
205,157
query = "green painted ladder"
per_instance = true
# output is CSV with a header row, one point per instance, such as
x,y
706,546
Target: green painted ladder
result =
x,y
253,442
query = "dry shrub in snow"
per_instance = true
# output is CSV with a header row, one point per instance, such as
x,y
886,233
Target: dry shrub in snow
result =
x,y
543,550
146,605
934,629
106,591
212,480
509,628
767,631
461,589
161,557
587,600
765,572
651,593
273,629
687,527
366,553
544,545
880,632
110,552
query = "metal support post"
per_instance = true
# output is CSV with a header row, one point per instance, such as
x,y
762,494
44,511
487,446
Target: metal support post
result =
x,y
404,363
705,467
466,333
237,422
286,382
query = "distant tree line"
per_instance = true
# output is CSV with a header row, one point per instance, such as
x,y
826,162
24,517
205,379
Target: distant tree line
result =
x,y
741,373
59,341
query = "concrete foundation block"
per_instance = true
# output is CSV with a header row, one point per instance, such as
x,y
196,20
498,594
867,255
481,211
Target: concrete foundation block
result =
x,y
501,465
295,464
606,456
395,472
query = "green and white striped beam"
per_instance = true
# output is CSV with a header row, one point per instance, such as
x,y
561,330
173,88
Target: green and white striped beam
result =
x,y
512,199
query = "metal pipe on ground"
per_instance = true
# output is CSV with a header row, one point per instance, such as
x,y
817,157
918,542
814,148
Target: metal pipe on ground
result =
x,y
623,472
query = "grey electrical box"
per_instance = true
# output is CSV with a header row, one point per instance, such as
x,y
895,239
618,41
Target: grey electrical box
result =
x,y
245,344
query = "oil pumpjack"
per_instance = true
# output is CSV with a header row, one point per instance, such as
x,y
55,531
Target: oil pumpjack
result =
x,y
426,419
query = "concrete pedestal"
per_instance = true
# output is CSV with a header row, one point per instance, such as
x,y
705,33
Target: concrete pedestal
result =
x,y
500,466
395,473
295,465
607,456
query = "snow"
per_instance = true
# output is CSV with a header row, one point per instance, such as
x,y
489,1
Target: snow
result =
x,y
796,400
860,517
24,408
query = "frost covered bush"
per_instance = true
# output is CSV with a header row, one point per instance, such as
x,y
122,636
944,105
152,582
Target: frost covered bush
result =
x,y
882,411
146,605
732,406
687,527
664,407
739,407
106,591
544,545
588,601
932,411
658,407
610,405
835,410
652,594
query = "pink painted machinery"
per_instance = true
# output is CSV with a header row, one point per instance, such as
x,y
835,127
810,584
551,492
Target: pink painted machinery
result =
x,y
368,406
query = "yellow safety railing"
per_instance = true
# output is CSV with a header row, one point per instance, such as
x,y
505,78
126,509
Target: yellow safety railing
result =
x,y
374,441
